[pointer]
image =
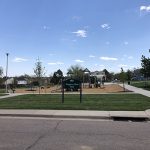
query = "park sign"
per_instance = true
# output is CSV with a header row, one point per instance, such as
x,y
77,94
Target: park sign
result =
x,y
71,85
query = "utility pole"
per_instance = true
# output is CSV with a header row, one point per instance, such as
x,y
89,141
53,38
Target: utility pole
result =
x,y
7,54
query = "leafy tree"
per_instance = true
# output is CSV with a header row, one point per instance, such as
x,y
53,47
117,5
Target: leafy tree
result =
x,y
123,78
39,71
57,76
76,71
145,63
129,75
1,71
109,76
116,76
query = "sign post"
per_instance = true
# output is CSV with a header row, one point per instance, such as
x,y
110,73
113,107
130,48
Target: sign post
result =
x,y
80,93
71,85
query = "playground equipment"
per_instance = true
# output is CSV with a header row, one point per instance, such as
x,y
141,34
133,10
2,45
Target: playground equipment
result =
x,y
57,88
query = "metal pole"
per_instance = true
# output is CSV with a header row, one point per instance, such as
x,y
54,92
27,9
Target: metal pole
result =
x,y
81,92
6,71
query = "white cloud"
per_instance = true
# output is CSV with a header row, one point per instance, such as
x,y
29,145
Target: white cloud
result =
x,y
126,43
74,40
130,57
56,63
92,56
101,65
60,63
122,65
51,54
79,61
17,59
81,33
107,43
105,26
109,58
145,8
46,27
76,18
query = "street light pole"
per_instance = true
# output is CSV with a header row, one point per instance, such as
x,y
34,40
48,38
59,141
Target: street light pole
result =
x,y
7,54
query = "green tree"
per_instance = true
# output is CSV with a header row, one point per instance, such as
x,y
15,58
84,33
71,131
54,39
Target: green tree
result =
x,y
76,71
123,77
39,71
1,73
57,76
129,75
109,76
145,63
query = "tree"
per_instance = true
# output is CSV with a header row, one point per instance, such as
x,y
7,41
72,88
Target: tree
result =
x,y
123,77
109,76
129,75
76,71
145,63
1,73
57,76
39,71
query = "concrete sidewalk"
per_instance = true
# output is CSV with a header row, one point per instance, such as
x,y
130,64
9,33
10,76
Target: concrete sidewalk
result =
x,y
11,95
136,90
75,114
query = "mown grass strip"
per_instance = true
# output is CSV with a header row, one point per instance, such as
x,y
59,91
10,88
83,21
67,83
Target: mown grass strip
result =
x,y
114,102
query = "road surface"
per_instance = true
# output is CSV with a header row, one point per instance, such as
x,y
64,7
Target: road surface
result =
x,y
59,134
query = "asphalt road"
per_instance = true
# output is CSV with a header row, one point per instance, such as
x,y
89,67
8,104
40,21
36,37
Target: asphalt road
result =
x,y
47,134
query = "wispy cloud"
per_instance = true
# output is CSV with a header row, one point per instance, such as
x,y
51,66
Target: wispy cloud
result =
x,y
46,27
55,63
81,33
125,57
107,43
130,57
109,58
105,26
51,54
74,40
79,61
18,59
122,65
145,8
126,43
92,56
76,18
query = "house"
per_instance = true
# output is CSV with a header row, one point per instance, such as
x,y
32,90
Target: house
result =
x,y
22,82
100,75
9,81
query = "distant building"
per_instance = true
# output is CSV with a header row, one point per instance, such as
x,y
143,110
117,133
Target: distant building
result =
x,y
22,82
99,74
9,81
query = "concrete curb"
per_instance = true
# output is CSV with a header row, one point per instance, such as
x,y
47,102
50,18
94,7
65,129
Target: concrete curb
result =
x,y
55,116
79,114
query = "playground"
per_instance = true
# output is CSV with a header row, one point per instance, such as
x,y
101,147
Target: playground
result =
x,y
108,88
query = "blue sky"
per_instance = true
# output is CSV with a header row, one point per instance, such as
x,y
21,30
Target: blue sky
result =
x,y
96,34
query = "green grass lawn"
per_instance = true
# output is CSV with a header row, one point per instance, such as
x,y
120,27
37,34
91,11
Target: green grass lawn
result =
x,y
2,94
90,102
2,91
141,84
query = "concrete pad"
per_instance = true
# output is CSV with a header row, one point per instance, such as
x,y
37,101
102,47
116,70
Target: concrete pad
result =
x,y
83,114
17,111
134,114
11,95
148,113
46,112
